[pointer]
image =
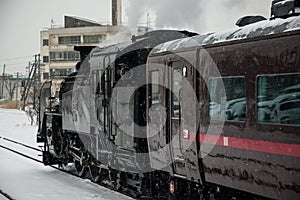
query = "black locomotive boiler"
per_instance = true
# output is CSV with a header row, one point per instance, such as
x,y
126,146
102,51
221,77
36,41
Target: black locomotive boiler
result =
x,y
175,115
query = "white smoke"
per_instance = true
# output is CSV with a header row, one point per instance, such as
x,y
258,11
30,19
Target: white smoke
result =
x,y
122,36
195,15
168,13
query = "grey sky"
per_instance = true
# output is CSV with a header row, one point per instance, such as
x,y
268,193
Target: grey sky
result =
x,y
22,20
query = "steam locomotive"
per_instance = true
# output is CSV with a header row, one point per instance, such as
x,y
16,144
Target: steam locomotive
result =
x,y
176,115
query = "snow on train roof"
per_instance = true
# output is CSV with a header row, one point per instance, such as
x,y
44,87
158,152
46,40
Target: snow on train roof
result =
x,y
115,48
102,56
251,31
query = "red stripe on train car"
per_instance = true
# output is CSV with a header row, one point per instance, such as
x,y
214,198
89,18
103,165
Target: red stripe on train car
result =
x,y
253,145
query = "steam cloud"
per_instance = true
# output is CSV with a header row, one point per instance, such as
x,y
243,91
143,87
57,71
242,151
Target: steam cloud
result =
x,y
196,15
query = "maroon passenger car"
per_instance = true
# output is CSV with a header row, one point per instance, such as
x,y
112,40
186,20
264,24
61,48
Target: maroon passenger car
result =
x,y
221,114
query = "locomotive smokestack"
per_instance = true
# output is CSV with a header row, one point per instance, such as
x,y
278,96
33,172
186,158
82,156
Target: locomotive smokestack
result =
x,y
116,12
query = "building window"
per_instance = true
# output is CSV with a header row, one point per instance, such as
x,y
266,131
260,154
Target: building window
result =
x,y
69,40
227,99
45,42
60,73
61,56
278,99
89,39
45,76
45,59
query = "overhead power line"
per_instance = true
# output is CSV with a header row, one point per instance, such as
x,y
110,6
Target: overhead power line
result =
x,y
13,64
15,58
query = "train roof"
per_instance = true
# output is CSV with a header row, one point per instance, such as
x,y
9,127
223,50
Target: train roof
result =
x,y
148,40
258,29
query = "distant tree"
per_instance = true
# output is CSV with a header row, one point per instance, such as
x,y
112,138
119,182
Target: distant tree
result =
x,y
10,87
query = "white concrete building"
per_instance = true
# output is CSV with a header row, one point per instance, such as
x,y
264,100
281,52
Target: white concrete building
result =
x,y
58,58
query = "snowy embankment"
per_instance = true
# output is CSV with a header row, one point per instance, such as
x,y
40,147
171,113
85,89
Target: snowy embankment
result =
x,y
24,179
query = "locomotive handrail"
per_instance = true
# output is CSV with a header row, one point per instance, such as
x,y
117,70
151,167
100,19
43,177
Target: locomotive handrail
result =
x,y
53,114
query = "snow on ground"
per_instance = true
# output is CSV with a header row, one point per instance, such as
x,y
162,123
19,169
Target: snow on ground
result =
x,y
24,179
15,124
2,197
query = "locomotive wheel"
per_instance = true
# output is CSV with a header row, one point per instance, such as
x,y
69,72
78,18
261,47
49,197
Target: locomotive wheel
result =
x,y
95,173
80,169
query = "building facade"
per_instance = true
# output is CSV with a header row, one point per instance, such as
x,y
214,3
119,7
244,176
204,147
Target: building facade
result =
x,y
58,58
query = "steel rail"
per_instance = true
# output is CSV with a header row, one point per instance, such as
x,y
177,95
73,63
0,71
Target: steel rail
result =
x,y
21,144
61,170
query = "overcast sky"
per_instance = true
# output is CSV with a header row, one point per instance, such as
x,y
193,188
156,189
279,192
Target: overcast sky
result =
x,y
22,20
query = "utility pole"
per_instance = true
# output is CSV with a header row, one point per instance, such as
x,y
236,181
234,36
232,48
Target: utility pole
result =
x,y
27,86
17,90
34,71
34,81
24,95
39,71
2,84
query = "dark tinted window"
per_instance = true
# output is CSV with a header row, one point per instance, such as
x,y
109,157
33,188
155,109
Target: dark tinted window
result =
x,y
45,42
279,99
45,59
45,75
227,99
60,73
69,40
89,39
64,56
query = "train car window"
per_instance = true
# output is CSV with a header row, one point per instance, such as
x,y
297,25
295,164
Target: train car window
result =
x,y
103,74
278,99
154,88
93,81
176,91
227,99
124,133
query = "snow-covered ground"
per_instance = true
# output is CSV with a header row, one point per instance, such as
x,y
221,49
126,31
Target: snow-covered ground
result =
x,y
24,179
2,197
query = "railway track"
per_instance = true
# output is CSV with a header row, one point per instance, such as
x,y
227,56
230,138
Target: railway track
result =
x,y
59,168
19,143
22,145
5,196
